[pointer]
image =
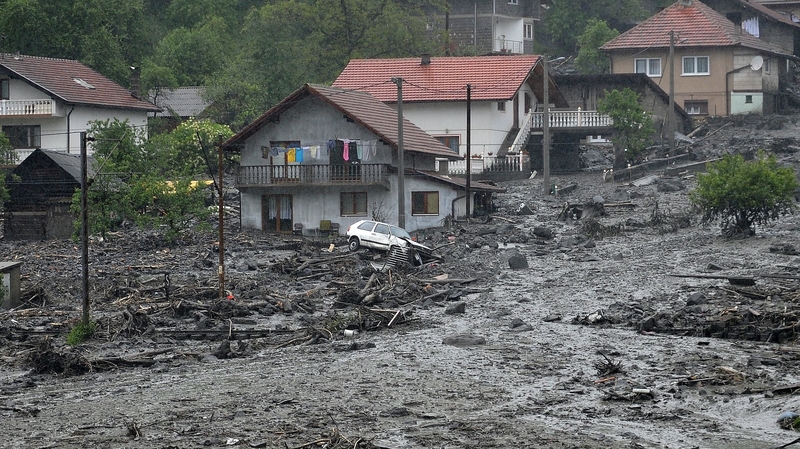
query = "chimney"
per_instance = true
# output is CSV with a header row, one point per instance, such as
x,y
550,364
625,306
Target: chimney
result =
x,y
136,85
426,59
685,2
444,167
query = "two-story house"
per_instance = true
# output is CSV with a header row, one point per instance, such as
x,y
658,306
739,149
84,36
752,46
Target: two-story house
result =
x,y
717,67
488,26
326,156
47,102
771,26
789,9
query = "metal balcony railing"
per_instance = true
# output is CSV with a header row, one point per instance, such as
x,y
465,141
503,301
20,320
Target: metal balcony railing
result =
x,y
27,107
302,174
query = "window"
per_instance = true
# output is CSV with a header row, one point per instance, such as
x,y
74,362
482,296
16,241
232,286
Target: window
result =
x,y
696,107
451,142
527,31
748,99
695,65
512,2
424,203
4,92
766,66
353,204
652,66
501,106
24,136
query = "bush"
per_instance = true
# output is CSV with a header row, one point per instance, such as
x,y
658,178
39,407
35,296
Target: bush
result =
x,y
81,332
743,194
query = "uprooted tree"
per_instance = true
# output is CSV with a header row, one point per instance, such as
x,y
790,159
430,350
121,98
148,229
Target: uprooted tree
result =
x,y
744,193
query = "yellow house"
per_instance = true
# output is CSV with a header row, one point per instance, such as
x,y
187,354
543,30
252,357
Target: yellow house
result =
x,y
717,67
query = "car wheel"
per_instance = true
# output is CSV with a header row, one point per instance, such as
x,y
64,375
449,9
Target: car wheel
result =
x,y
354,244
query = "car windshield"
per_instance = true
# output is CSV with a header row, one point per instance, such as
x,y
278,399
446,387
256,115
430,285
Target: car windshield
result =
x,y
400,232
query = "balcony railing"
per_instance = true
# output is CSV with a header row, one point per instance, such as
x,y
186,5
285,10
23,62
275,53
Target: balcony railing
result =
x,y
264,175
27,107
572,119
486,164
507,46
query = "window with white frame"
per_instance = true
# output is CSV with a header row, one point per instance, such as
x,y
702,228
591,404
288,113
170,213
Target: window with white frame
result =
x,y
527,31
649,66
695,65
696,107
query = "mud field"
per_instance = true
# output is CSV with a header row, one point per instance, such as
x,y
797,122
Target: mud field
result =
x,y
597,343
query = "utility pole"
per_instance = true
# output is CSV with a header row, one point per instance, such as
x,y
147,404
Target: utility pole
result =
x,y
221,193
401,163
671,108
469,150
85,228
546,128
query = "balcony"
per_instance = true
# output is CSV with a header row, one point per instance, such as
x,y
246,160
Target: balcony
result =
x,y
311,175
507,46
27,108
571,119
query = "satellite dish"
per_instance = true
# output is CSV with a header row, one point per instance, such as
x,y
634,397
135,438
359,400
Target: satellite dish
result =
x,y
756,62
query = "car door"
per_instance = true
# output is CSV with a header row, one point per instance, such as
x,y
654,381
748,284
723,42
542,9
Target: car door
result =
x,y
381,236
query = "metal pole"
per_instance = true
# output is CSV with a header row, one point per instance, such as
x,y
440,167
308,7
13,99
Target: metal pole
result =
x,y
84,231
401,163
671,108
469,149
220,192
546,129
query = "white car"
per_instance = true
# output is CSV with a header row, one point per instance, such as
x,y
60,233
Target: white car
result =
x,y
380,236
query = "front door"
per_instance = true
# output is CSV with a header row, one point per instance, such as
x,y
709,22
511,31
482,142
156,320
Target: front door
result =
x,y
276,213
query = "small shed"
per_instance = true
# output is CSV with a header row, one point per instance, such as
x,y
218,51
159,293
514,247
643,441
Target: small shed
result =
x,y
41,190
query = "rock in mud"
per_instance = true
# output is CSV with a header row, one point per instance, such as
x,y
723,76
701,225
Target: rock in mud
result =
x,y
464,340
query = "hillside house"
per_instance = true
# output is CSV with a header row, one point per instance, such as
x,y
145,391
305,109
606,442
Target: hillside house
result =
x,y
719,68
325,157
47,102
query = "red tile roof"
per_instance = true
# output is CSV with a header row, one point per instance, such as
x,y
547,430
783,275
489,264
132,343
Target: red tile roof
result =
x,y
364,109
492,78
695,25
72,82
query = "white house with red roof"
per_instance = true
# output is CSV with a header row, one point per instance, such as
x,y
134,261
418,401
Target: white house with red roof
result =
x,y
503,90
325,157
719,67
46,102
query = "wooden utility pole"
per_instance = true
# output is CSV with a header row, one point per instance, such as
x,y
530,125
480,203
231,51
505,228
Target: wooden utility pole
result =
x,y
221,193
671,109
401,163
469,149
546,128
84,229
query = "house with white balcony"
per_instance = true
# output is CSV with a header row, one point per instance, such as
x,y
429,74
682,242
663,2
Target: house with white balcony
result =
x,y
47,102
503,95
324,158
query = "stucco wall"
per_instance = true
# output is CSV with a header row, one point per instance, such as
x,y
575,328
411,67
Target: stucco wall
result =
x,y
723,76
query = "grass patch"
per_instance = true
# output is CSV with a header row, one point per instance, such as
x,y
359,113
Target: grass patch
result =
x,y
81,332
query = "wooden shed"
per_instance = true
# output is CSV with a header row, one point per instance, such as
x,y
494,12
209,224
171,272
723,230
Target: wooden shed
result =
x,y
41,190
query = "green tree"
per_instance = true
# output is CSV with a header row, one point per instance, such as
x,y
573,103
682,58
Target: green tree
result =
x,y
745,193
7,156
564,17
633,126
590,59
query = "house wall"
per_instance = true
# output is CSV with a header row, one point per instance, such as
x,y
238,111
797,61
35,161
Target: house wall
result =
x,y
489,127
728,72
778,34
477,23
54,128
312,122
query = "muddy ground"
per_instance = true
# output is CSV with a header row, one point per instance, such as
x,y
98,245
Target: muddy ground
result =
x,y
595,344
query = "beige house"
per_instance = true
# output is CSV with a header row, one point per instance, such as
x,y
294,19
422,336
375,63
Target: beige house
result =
x,y
719,69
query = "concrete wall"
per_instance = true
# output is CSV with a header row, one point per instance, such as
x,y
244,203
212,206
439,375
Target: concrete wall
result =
x,y
489,126
312,122
728,72
54,128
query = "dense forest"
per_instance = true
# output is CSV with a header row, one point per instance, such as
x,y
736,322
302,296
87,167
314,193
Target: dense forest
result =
x,y
252,53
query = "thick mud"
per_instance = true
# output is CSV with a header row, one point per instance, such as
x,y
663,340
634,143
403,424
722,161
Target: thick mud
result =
x,y
595,344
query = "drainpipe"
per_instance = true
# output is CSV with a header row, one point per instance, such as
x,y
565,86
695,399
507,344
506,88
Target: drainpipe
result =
x,y
727,96
69,114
